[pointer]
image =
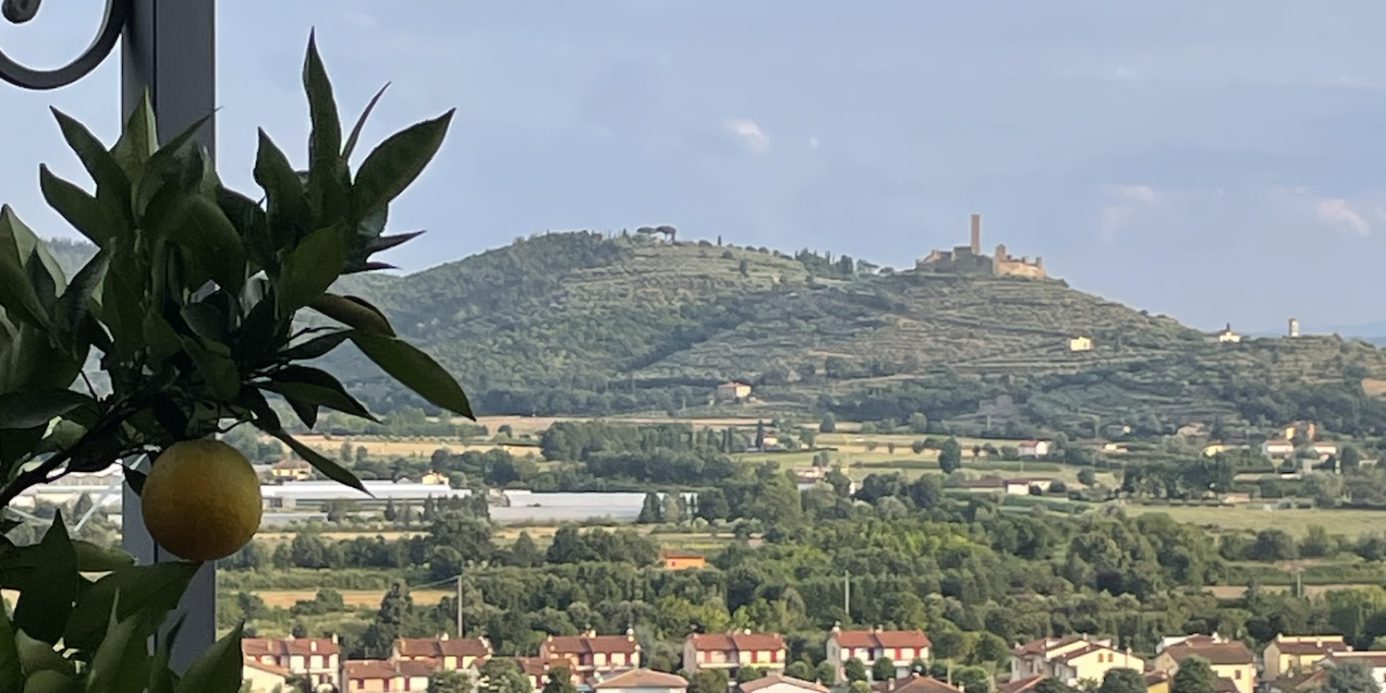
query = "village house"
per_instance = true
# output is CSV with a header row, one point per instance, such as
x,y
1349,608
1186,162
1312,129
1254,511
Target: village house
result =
x,y
730,651
1081,343
317,659
914,684
1156,682
383,676
644,681
1227,336
538,669
1292,655
442,652
1230,660
291,469
1373,661
1019,685
259,677
901,647
1277,449
1070,659
591,656
779,683
1034,448
733,391
682,560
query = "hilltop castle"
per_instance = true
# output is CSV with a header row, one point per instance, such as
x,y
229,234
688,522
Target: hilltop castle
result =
x,y
968,259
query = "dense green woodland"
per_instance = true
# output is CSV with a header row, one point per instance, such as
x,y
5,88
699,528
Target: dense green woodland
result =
x,y
578,323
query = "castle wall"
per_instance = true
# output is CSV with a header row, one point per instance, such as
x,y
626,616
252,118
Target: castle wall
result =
x,y
1016,268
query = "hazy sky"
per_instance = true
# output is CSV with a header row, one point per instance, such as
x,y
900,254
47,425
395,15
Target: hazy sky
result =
x,y
1217,161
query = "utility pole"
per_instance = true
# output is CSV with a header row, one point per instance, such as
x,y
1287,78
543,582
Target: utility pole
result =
x,y
460,632
847,595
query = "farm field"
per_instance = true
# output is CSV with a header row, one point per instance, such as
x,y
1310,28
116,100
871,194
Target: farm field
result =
x,y
1351,523
352,598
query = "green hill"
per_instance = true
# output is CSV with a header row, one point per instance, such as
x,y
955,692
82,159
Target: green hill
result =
x,y
577,323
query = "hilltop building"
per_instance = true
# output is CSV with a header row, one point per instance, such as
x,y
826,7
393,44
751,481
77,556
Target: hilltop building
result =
x,y
733,391
1080,343
1227,336
968,259
1294,327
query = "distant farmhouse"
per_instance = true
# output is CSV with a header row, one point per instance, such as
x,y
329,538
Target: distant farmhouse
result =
x,y
968,259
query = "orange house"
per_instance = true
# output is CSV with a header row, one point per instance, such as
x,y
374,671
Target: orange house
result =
x,y
684,561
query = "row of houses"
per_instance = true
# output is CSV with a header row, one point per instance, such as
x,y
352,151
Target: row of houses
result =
x,y
1289,664
591,659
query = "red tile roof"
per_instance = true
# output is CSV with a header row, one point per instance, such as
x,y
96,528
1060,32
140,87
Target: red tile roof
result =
x,y
880,638
1040,646
538,666
365,669
1216,653
1373,659
736,641
915,684
775,679
1224,685
1019,686
643,678
268,668
289,646
1319,645
588,644
442,647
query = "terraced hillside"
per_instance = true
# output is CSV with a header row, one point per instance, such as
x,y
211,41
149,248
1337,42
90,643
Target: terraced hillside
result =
x,y
579,323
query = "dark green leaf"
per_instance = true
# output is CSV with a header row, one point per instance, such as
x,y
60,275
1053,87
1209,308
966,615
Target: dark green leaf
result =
x,y
307,412
33,409
51,681
195,223
309,269
393,165
317,387
206,321
353,312
97,559
316,347
121,662
361,123
250,219
10,671
327,174
161,678
218,670
100,164
138,139
80,209
45,285
45,599
17,295
219,371
286,204
415,370
330,469
73,311
151,590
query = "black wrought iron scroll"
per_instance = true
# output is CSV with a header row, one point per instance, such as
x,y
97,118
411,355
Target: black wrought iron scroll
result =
x,y
21,11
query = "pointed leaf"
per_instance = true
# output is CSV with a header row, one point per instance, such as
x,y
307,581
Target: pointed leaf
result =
x,y
195,223
219,669
327,173
150,589
51,681
17,295
121,662
393,165
138,139
353,312
99,559
316,347
361,123
80,209
161,678
320,462
286,203
100,163
45,600
415,370
309,270
317,387
33,409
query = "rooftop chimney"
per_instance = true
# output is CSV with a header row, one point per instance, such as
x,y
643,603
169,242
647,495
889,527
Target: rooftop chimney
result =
x,y
976,234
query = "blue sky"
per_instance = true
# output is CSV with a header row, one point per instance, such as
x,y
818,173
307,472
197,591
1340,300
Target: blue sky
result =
x,y
1217,161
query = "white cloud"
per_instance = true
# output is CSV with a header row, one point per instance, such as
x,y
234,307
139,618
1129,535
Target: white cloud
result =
x,y
1124,203
750,133
1336,210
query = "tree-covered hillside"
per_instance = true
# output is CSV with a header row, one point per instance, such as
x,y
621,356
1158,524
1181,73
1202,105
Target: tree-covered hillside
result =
x,y
579,323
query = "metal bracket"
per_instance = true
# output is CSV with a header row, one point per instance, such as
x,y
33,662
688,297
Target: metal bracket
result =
x,y
20,11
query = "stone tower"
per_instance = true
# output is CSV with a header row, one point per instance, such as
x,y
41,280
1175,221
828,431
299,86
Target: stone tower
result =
x,y
976,235
1294,327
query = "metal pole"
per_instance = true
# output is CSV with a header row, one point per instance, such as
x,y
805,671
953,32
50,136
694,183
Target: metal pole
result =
x,y
169,50
460,632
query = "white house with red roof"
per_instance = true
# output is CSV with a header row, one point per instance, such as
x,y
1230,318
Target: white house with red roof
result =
x,y
318,659
593,656
779,683
643,681
901,647
380,675
443,652
730,651
259,677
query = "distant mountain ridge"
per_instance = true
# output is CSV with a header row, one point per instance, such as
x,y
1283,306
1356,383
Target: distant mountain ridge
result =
x,y
577,323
